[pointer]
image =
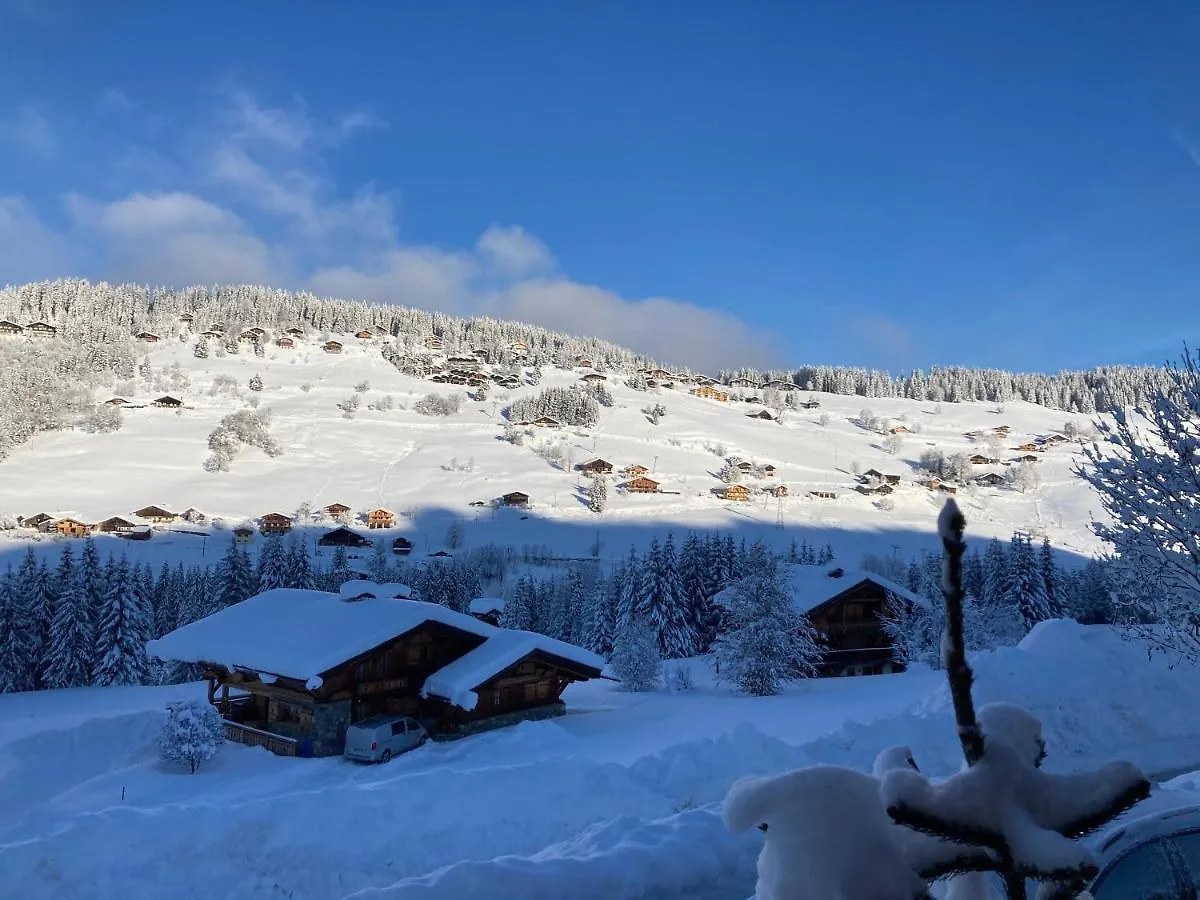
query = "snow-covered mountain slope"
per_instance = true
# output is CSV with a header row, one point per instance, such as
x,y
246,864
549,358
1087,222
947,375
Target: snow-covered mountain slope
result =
x,y
429,470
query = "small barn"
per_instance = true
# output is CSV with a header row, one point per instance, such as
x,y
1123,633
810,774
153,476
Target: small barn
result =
x,y
595,466
823,495
979,459
1028,458
275,523
193,515
38,521
332,347
768,470
515,498
381,518
155,514
1028,447
402,546
114,525
990,479
735,492
147,337
40,329
594,378
899,429
9,328
68,527
880,476
243,534
285,342
546,422
168,402
641,485
343,537
869,489
364,334
761,414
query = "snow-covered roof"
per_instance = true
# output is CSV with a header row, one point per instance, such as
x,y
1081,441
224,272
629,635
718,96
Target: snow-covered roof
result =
x,y
809,587
483,605
302,634
359,587
457,681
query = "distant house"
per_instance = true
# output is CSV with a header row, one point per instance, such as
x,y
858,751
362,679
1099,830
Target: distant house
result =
x,y
168,402
487,609
332,347
9,328
147,336
990,479
823,495
275,523
635,470
515,498
69,527
743,383
1054,438
583,362
243,534
155,514
744,466
779,384
1028,447
402,546
810,403
1028,458
899,429
880,476
38,521
381,518
258,330
518,347
116,401
546,422
295,331
660,374
248,337
979,459
433,343
336,509
641,485
595,466
343,537
761,414
114,525
1002,429
187,317
594,378
736,492
869,489
776,490
211,335
285,342
137,533
194,516
364,334
768,470
708,392
40,329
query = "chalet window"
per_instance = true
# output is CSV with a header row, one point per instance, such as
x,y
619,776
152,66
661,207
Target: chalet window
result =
x,y
415,655
496,697
530,692
543,690
854,611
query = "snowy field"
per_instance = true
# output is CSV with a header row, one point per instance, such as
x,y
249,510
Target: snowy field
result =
x,y
618,799
405,461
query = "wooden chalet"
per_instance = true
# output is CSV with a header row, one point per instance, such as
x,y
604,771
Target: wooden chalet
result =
x,y
114,525
217,326
243,534
641,485
583,362
402,546
285,342
736,492
256,329
768,470
187,318
69,527
433,343
880,476
744,383
212,335
10,328
660,374
336,509
1002,429
780,385
295,331
381,518
304,665
990,479
708,392
1054,438
115,401
332,347
595,467
1028,447
40,329
979,459
899,429
487,609
39,521
155,514
1028,458
823,495
594,378
763,414
546,422
248,337
343,537
515,498
518,347
811,404
168,402
364,334
275,523
869,489
193,515
776,490
635,470
934,483
147,337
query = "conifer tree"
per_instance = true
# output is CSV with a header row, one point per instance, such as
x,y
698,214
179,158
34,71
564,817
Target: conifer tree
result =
x,y
995,574
600,617
1050,578
121,635
632,588
300,574
1026,588
167,602
238,579
72,655
17,660
665,604
380,565
339,570
635,658
272,564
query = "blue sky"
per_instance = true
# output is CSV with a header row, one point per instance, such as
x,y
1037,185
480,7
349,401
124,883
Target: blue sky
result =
x,y
1012,184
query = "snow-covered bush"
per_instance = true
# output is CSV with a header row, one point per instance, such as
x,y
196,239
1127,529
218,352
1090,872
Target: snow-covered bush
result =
x,y
256,383
103,419
680,678
201,349
598,494
438,405
654,412
1023,478
557,453
636,660
193,733
306,387
730,473
223,384
932,461
236,429
886,504
512,434
362,387
892,443
565,405
823,419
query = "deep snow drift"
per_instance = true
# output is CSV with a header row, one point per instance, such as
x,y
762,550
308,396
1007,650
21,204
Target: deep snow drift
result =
x,y
618,799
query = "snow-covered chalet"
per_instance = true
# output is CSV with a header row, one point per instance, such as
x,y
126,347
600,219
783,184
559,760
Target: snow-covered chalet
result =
x,y
290,669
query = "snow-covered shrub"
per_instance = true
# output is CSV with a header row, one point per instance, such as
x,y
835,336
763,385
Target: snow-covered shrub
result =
x,y
718,450
256,383
201,349
512,434
932,461
598,494
236,429
730,473
654,412
104,419
438,405
8,521
892,443
1023,478
887,504
680,678
823,419
557,453
565,405
306,387
193,733
636,660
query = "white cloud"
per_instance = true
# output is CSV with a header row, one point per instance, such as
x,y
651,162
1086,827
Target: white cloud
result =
x,y
31,130
423,277
511,250
113,100
360,120
28,249
140,214
290,129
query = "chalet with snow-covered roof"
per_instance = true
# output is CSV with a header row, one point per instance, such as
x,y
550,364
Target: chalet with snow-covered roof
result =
x,y
899,429
275,523
1054,438
155,514
823,495
934,483
290,669
776,490
515,498
876,475
641,485
212,335
735,492
401,546
583,362
10,328
295,331
243,534
989,479
546,422
779,384
487,609
147,337
336,509
168,402
433,343
364,334
194,516
285,342
594,378
978,459
1002,429
187,318
37,520
332,347
343,537
1027,458
1028,447
114,525
71,527
810,403
116,401
883,488
40,329
708,392
595,466
518,347
635,470
248,337
217,326
381,518
743,383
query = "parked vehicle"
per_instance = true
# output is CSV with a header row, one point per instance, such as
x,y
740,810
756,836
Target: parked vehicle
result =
x,y
379,738
1156,857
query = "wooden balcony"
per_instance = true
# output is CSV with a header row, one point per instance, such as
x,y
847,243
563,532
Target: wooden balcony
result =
x,y
254,737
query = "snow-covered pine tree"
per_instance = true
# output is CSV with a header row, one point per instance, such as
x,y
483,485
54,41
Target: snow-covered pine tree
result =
x,y
272,564
1050,578
256,383
168,596
379,567
121,633
72,652
520,606
238,578
201,350
1026,588
194,732
636,660
995,574
633,588
299,570
598,494
694,577
669,612
17,658
764,642
600,617
339,570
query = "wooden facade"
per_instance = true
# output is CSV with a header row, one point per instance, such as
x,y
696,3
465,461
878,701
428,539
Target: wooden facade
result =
x,y
364,334
736,492
641,485
876,474
333,347
381,518
595,467
433,343
285,342
336,509
114,525
243,535
823,495
991,479
343,537
10,328
854,638
709,392
515,498
168,402
68,527
869,489
147,337
275,523
155,514
635,470
40,329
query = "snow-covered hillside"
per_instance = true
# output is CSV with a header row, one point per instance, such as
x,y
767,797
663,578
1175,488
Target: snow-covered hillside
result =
x,y
429,470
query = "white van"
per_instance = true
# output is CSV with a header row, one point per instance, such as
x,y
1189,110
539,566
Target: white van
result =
x,y
379,738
